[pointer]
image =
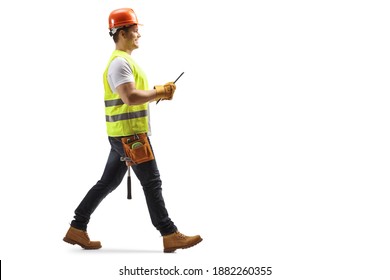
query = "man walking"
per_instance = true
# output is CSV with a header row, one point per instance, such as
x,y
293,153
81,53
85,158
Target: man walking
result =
x,y
127,98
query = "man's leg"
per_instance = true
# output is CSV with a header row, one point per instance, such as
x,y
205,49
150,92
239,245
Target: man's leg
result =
x,y
149,177
111,178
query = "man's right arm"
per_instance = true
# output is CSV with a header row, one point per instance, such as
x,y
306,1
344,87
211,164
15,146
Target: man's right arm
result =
x,y
122,80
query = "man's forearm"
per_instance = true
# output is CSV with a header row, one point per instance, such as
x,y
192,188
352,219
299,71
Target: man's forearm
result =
x,y
137,97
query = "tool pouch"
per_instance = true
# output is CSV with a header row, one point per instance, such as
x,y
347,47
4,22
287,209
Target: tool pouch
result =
x,y
137,149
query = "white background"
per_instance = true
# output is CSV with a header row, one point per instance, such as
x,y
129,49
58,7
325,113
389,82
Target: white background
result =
x,y
275,148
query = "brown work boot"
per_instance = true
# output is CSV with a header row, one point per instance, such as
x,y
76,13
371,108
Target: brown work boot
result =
x,y
178,240
80,237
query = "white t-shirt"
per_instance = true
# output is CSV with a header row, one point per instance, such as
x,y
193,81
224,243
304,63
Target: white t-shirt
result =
x,y
119,72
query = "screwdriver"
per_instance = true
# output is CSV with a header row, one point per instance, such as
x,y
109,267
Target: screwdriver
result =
x,y
174,83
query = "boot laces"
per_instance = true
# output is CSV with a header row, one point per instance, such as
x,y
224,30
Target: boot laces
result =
x,y
86,235
180,235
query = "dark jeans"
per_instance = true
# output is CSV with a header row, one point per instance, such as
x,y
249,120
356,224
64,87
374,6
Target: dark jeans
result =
x,y
149,177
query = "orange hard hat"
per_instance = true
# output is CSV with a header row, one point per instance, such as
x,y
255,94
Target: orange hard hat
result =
x,y
122,17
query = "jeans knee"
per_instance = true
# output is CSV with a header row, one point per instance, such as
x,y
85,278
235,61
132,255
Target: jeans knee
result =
x,y
106,187
152,185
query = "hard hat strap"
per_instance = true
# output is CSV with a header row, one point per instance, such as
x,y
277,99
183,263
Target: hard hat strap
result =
x,y
113,31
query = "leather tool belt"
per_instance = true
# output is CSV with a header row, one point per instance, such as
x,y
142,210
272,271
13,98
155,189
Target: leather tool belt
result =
x,y
137,150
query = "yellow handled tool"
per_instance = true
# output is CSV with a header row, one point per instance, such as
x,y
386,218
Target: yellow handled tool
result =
x,y
174,83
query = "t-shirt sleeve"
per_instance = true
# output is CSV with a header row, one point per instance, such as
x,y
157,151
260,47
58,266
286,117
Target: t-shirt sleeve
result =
x,y
119,72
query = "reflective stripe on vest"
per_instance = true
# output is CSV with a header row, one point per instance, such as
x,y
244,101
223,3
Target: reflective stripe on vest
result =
x,y
122,119
114,102
127,116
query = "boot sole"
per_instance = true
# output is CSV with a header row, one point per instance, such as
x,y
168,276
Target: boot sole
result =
x,y
171,250
71,241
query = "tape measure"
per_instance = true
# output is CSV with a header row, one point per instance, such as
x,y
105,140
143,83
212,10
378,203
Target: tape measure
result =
x,y
136,145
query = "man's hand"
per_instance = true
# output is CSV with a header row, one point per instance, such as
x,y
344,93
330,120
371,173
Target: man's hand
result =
x,y
165,92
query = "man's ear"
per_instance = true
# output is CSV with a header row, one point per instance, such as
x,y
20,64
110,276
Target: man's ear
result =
x,y
122,33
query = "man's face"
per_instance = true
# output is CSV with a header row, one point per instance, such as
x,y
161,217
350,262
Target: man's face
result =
x,y
132,37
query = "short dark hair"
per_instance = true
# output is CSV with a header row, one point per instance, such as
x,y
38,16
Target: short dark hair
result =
x,y
116,34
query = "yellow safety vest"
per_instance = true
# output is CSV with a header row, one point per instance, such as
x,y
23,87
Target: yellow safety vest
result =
x,y
122,119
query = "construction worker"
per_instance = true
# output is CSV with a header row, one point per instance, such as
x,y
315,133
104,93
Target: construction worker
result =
x,y
127,97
